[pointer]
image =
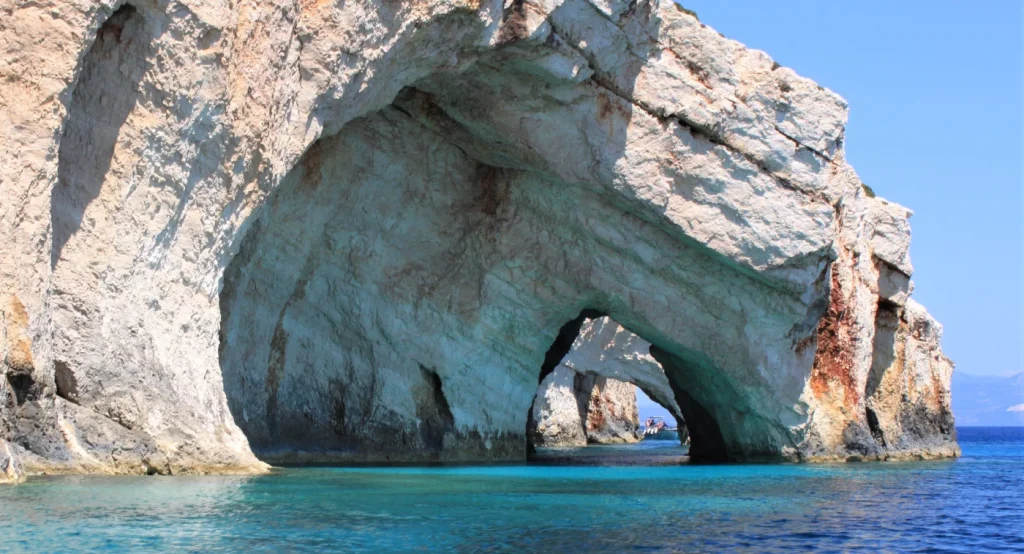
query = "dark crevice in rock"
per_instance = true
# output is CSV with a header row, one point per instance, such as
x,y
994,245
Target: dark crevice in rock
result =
x,y
422,107
493,189
888,305
531,426
583,387
706,442
884,354
434,412
67,384
706,133
339,417
24,386
513,23
859,443
874,426
887,356
800,145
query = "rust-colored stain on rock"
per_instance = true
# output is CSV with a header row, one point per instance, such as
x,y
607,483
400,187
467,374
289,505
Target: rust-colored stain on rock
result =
x,y
833,362
19,345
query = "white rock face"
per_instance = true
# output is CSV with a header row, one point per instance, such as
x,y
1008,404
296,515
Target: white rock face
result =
x,y
333,231
560,410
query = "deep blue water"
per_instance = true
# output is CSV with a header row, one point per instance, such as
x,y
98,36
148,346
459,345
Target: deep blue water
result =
x,y
973,504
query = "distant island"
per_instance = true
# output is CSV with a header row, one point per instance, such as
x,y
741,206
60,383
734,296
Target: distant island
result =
x,y
988,400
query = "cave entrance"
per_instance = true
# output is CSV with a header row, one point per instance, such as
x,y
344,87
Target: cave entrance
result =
x,y
394,296
600,385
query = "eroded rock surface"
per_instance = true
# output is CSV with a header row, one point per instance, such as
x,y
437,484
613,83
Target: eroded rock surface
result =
x,y
573,409
612,416
559,413
352,231
10,467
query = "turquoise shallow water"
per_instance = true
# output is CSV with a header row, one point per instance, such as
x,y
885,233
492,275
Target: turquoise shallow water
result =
x,y
974,504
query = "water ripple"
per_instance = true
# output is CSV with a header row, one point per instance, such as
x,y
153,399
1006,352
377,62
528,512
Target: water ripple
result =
x,y
968,505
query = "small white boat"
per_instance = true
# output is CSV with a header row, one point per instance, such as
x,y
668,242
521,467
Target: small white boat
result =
x,y
666,434
657,430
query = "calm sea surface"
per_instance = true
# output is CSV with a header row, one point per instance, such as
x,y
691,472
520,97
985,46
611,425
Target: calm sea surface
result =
x,y
974,504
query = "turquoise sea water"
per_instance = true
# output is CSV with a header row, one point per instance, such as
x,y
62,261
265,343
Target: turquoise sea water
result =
x,y
974,504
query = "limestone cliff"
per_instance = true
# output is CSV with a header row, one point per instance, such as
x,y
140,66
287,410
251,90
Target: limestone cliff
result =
x,y
311,230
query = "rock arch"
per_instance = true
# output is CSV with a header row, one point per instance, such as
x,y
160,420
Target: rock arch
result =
x,y
432,191
433,234
591,396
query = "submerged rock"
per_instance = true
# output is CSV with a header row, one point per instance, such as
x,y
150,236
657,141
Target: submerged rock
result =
x,y
351,231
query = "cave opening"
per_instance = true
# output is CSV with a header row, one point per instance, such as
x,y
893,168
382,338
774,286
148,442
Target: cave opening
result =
x,y
399,296
599,385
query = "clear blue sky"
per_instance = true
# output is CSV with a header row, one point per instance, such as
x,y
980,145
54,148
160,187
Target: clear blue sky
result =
x,y
936,124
